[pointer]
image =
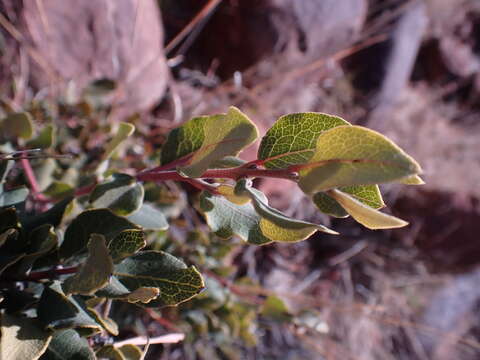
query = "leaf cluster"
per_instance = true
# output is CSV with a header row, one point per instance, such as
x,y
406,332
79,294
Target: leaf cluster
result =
x,y
78,233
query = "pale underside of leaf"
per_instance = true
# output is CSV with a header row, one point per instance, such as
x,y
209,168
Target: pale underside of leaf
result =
x,y
367,194
22,338
354,155
413,180
124,131
364,214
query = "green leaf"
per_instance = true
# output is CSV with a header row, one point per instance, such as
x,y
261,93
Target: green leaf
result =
x,y
293,138
176,281
227,162
121,193
42,240
202,141
276,225
226,219
149,218
131,352
367,194
109,352
58,190
45,139
124,131
354,155
413,180
364,214
229,193
107,323
275,309
98,221
13,197
68,345
17,125
22,338
95,273
52,216
125,244
255,222
57,311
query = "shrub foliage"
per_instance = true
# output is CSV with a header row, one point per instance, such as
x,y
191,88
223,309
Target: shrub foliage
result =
x,y
78,232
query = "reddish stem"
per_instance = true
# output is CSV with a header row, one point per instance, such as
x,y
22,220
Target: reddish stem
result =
x,y
30,175
49,274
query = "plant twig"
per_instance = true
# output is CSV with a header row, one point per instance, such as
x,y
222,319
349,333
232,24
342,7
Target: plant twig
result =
x,y
143,340
49,274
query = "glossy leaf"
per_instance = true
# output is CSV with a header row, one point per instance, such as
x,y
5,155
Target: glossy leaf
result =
x,y
149,218
98,221
67,344
121,193
95,272
123,132
22,338
354,155
293,138
367,194
364,214
208,139
125,244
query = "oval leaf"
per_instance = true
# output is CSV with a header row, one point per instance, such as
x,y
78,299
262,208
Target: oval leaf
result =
x,y
293,138
149,218
95,272
125,244
67,344
124,131
364,214
121,193
354,155
367,194
98,221
204,140
17,125
22,338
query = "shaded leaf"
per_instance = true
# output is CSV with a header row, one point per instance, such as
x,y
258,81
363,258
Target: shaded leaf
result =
x,y
293,138
274,224
176,281
98,221
22,338
17,125
149,218
227,162
131,352
58,190
364,214
226,219
367,194
44,140
121,193
41,241
107,323
5,167
7,260
125,244
109,352
354,155
13,197
68,345
95,272
208,139
57,311
123,132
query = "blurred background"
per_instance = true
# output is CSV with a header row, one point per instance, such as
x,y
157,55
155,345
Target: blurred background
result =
x,y
409,69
